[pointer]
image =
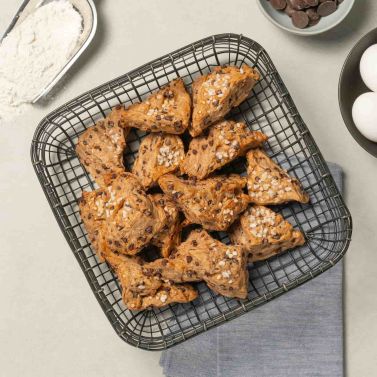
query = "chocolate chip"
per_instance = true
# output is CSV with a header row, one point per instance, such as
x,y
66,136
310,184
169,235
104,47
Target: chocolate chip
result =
x,y
300,19
194,151
312,3
148,229
326,8
312,14
189,259
218,186
194,243
278,4
297,4
168,117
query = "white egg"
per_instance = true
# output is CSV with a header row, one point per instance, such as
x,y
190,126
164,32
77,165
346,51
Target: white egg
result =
x,y
364,114
368,67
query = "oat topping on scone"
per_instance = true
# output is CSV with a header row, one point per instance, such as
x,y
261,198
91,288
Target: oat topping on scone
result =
x,y
264,233
213,203
140,290
268,183
159,154
225,141
100,148
130,217
201,257
170,235
215,94
167,110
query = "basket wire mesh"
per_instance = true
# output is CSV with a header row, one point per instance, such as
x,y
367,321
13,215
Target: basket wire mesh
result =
x,y
326,222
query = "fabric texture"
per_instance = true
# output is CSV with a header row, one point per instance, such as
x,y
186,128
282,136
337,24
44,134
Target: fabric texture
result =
x,y
299,334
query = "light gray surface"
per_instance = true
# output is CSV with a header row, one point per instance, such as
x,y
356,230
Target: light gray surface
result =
x,y
50,323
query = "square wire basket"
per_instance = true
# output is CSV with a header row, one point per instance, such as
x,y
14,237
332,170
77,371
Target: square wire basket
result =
x,y
326,221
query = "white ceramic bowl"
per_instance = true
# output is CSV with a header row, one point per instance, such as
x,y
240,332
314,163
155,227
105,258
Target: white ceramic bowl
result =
x,y
282,20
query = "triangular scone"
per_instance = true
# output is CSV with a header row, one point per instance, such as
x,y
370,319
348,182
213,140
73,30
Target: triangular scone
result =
x,y
225,141
215,94
268,183
167,110
141,291
201,257
159,154
213,203
126,217
100,148
91,205
170,235
264,233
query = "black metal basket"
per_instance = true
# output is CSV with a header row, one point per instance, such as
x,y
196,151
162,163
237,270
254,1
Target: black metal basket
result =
x,y
326,221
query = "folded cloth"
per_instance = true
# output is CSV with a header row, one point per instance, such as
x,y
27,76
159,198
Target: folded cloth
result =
x,y
298,334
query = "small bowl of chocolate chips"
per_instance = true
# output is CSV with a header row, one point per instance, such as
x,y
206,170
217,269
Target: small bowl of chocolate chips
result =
x,y
306,17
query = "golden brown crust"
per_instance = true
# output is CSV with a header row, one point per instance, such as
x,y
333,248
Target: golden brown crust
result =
x,y
213,203
166,110
128,219
100,148
159,154
225,141
201,257
170,235
269,184
140,291
264,233
215,94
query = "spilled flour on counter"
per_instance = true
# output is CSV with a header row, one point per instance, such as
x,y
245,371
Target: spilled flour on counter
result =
x,y
34,52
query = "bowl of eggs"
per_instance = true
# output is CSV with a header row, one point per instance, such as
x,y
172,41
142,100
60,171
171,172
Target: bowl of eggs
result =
x,y
358,92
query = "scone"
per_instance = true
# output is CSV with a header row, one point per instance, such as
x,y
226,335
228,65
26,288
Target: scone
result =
x,y
201,257
142,291
125,217
213,203
225,141
268,183
167,110
100,148
264,233
159,154
170,235
215,94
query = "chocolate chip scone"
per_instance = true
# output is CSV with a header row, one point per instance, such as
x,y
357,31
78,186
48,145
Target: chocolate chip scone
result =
x,y
225,141
142,291
215,94
159,154
93,214
201,257
269,184
100,148
264,233
170,235
213,203
167,110
127,218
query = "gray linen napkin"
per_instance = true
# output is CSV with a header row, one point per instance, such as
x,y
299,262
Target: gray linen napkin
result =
x,y
299,334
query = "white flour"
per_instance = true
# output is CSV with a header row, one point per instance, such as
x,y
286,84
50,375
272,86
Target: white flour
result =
x,y
34,52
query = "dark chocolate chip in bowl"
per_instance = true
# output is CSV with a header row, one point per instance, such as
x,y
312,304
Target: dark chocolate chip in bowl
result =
x,y
312,3
289,10
312,14
297,4
279,4
300,19
326,8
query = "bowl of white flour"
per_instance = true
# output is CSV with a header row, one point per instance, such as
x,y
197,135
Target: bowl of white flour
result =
x,y
42,44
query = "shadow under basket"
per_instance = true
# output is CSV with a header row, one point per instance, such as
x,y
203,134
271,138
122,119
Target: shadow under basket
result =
x,y
325,221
